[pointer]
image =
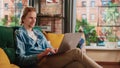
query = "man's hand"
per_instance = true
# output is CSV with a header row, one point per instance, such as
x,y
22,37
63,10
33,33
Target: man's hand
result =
x,y
46,52
56,50
50,50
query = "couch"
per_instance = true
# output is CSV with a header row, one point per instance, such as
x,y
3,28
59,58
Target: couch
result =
x,y
8,45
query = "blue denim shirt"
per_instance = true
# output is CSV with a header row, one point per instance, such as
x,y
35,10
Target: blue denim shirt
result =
x,y
27,48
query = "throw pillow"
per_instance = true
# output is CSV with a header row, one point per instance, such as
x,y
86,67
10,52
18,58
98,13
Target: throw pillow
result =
x,y
3,58
55,39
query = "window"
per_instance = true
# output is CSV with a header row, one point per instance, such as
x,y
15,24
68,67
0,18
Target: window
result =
x,y
10,11
92,16
19,7
84,4
105,3
1,10
103,26
6,6
92,3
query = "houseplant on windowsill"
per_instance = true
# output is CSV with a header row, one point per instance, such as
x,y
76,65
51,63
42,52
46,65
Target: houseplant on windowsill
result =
x,y
93,37
112,41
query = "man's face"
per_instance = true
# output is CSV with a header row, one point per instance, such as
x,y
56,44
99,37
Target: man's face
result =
x,y
30,20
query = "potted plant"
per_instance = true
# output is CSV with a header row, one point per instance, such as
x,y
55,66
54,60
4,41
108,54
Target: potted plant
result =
x,y
87,29
93,37
112,41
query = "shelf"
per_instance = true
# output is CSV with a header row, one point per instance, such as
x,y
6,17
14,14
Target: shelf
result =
x,y
51,16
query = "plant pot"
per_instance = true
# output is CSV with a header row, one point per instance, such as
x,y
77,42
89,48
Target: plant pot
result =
x,y
118,44
111,44
93,44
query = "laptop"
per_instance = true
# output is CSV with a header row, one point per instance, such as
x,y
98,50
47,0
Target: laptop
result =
x,y
70,41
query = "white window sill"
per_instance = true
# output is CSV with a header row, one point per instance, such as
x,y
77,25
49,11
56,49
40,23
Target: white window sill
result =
x,y
101,48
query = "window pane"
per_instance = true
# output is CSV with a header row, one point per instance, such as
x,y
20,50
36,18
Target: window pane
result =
x,y
104,3
92,16
10,11
100,24
84,3
19,5
108,34
6,6
92,3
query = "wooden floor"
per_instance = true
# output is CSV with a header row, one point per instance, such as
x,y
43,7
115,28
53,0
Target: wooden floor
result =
x,y
109,65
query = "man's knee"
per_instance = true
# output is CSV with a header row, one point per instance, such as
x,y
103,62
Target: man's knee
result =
x,y
76,50
77,53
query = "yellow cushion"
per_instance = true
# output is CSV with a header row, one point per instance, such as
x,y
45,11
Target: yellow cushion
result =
x,y
4,65
3,57
55,39
8,66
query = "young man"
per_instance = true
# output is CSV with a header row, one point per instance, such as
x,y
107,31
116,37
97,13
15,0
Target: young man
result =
x,y
33,48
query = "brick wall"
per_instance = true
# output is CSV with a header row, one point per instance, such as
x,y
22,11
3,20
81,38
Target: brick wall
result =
x,y
49,11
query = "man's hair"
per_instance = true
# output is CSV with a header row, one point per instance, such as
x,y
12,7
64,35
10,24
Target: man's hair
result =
x,y
25,11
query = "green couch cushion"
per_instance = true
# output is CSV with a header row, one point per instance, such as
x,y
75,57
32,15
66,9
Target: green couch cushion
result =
x,y
7,42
